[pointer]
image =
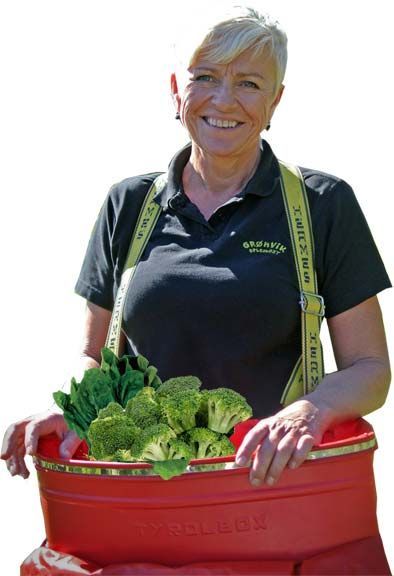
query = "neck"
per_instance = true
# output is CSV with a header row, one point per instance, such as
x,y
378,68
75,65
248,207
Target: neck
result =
x,y
219,176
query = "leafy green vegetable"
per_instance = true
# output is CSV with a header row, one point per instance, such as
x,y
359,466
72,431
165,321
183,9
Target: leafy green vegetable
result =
x,y
117,380
167,469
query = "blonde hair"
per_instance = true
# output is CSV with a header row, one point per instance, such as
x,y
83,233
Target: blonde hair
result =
x,y
238,30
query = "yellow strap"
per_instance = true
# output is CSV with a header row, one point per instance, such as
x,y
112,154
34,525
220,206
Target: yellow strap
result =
x,y
309,369
147,219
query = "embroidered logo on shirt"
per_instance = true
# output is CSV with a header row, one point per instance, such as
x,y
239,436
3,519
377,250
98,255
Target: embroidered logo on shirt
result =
x,y
264,247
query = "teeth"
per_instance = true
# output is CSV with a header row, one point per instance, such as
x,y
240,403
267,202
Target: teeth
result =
x,y
222,123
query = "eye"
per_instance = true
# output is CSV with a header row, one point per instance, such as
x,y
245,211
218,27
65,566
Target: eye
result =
x,y
204,78
249,84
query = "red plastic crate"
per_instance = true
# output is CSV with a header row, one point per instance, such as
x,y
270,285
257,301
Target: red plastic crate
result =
x,y
99,512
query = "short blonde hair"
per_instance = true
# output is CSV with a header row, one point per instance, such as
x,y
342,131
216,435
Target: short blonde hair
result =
x,y
240,29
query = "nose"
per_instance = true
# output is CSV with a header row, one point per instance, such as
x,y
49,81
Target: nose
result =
x,y
223,96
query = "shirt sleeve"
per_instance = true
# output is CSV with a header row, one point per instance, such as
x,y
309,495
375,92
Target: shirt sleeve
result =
x,y
109,243
349,267
97,276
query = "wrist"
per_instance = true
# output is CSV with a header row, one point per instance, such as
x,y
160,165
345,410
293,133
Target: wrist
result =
x,y
325,412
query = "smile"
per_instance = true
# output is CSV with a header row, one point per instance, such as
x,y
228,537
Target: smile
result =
x,y
217,123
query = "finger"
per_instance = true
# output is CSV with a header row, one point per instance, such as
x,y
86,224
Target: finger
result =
x,y
32,434
69,445
262,461
282,455
20,466
14,465
304,446
11,438
249,444
23,470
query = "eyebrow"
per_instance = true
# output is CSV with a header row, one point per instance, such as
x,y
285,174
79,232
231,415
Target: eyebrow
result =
x,y
240,74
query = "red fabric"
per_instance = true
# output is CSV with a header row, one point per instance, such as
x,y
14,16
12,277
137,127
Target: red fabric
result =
x,y
46,562
361,558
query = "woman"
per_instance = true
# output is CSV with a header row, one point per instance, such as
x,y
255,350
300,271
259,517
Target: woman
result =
x,y
202,302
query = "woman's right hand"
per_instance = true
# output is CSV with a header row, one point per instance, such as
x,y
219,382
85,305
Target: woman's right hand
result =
x,y
22,438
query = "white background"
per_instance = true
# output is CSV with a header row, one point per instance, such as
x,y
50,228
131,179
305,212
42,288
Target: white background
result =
x,y
85,102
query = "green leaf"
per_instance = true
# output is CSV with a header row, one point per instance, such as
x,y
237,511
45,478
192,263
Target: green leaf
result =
x,y
108,359
167,469
74,389
83,402
99,388
131,383
75,423
156,382
150,375
62,399
142,363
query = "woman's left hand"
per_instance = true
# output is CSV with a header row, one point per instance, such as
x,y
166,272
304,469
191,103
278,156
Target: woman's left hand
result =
x,y
280,441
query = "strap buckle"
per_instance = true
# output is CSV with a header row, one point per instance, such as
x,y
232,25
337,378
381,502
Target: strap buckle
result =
x,y
312,303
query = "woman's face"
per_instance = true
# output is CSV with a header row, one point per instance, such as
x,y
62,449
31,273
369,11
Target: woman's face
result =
x,y
225,107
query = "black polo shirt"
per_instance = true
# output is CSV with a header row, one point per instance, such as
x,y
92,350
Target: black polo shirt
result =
x,y
219,299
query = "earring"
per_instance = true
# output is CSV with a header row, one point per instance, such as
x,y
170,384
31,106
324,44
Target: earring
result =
x,y
177,116
268,126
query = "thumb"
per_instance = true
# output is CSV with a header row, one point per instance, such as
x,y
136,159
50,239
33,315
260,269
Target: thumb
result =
x,y
69,444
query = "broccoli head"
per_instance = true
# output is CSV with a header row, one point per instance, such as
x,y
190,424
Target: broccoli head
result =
x,y
179,449
180,408
107,435
143,409
225,409
177,384
225,446
112,409
204,442
153,443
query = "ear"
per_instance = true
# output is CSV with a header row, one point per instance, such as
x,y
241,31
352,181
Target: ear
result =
x,y
276,100
175,92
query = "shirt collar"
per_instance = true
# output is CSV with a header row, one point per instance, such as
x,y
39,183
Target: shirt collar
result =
x,y
262,182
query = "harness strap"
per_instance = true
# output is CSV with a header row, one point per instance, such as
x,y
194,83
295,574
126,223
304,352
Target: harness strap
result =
x,y
309,369
147,219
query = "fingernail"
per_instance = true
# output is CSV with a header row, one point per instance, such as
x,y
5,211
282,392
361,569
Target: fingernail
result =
x,y
241,461
255,482
292,465
270,480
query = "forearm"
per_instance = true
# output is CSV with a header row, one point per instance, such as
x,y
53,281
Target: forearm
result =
x,y
86,362
351,392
